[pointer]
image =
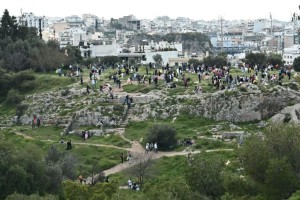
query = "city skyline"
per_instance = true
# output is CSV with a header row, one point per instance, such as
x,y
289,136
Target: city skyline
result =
x,y
193,9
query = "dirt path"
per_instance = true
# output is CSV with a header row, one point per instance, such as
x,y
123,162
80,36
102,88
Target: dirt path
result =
x,y
120,167
24,135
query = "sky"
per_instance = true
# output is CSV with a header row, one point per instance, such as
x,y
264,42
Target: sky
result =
x,y
142,9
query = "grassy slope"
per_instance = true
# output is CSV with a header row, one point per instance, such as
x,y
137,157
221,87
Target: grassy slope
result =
x,y
186,126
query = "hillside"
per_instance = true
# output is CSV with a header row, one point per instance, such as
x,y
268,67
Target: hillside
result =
x,y
216,121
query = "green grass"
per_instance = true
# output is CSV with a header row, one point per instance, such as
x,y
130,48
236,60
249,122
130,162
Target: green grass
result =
x,y
170,167
138,130
176,91
186,126
42,133
9,110
53,133
165,167
295,196
142,88
46,82
109,139
87,156
208,144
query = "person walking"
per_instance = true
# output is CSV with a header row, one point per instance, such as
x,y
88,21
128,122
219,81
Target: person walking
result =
x,y
129,183
122,158
129,157
155,147
38,122
147,147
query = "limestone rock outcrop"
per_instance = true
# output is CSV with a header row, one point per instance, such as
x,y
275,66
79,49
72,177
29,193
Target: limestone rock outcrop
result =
x,y
65,109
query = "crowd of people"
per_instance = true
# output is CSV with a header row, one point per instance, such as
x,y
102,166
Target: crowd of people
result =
x,y
221,77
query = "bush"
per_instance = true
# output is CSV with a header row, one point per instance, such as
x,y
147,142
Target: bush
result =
x,y
17,196
65,92
14,97
296,64
163,134
23,81
243,89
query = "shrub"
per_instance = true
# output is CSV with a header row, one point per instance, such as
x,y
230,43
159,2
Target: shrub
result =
x,y
65,92
287,118
23,81
163,134
243,89
14,97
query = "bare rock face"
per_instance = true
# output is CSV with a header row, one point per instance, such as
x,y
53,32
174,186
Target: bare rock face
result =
x,y
25,119
226,105
234,107
289,114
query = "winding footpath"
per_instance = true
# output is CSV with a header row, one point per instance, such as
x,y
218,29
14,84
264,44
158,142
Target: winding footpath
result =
x,y
136,149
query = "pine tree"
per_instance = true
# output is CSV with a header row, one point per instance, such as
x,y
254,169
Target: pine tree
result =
x,y
9,26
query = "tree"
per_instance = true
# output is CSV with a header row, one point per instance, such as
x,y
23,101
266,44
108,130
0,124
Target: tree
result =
x,y
194,62
296,64
89,61
157,59
75,190
281,180
73,55
21,171
218,61
27,33
256,59
204,176
223,54
175,188
65,162
109,60
16,56
54,178
53,44
97,174
240,186
273,160
255,163
163,134
8,26
275,59
142,163
17,196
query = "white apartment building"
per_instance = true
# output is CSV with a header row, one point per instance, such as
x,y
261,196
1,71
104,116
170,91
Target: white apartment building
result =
x,y
71,37
99,48
290,54
30,20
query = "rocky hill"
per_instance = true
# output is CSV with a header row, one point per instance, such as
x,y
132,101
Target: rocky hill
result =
x,y
73,107
191,42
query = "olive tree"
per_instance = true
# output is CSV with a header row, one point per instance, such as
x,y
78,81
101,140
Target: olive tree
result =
x,y
164,135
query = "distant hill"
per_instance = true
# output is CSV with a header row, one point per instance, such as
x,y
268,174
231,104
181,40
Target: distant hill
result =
x,y
191,42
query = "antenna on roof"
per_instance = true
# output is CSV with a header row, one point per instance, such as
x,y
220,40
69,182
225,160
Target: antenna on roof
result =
x,y
21,17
